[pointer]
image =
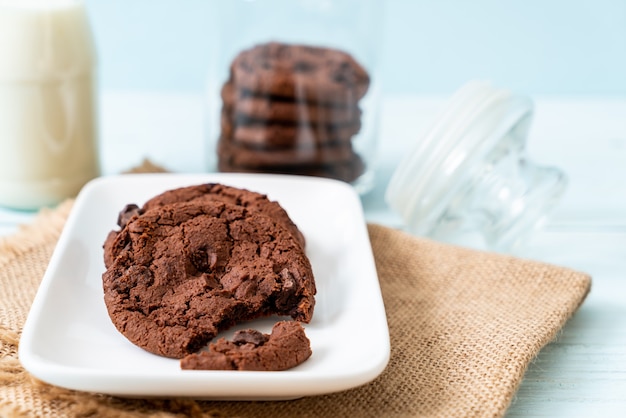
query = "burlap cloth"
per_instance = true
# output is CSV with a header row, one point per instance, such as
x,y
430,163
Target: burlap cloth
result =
x,y
464,326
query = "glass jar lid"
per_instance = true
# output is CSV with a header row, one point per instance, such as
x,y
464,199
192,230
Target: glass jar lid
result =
x,y
470,172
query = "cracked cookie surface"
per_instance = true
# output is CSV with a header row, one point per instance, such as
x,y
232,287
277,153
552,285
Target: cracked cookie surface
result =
x,y
187,270
203,193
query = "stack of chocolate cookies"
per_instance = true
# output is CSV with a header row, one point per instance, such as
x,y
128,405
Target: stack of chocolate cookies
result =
x,y
292,109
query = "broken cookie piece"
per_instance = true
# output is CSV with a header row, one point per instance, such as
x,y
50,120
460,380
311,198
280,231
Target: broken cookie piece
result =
x,y
286,347
185,271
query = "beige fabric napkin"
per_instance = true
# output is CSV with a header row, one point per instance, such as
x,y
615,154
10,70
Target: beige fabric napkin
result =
x,y
464,326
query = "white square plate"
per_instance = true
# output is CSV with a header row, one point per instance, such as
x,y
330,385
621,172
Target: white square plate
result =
x,y
69,341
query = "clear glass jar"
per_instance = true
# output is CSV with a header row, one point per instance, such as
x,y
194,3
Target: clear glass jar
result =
x,y
48,132
292,88
468,180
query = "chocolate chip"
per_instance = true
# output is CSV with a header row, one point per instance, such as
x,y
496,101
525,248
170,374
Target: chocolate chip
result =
x,y
200,260
303,66
289,289
250,336
127,214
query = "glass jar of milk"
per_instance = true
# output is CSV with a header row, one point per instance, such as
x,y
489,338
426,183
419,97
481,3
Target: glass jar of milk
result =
x,y
48,139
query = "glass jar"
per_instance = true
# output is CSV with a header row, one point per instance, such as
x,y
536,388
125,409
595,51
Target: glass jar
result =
x,y
292,88
468,180
48,144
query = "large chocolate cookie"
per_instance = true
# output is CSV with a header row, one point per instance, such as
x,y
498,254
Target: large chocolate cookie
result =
x,y
286,347
202,193
187,270
277,135
306,73
245,107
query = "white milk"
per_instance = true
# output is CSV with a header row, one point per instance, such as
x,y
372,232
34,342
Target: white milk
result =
x,y
48,144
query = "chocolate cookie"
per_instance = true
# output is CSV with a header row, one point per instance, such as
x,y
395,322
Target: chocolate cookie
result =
x,y
348,171
239,155
247,107
286,347
276,135
202,193
188,270
307,73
